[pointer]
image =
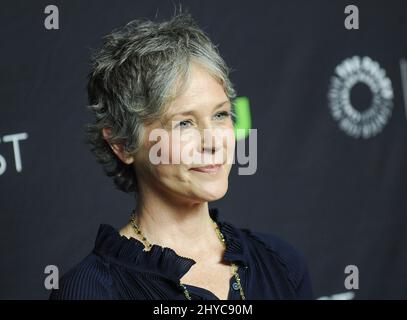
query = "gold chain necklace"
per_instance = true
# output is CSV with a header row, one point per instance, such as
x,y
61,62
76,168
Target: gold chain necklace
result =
x,y
148,245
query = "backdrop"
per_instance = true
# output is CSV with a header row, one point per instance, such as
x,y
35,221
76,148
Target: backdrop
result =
x,y
327,103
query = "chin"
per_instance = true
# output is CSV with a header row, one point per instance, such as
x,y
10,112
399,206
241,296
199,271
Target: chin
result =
x,y
212,193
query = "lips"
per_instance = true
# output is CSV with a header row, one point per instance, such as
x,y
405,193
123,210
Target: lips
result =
x,y
211,169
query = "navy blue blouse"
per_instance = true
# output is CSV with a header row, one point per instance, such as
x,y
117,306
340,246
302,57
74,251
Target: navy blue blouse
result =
x,y
118,268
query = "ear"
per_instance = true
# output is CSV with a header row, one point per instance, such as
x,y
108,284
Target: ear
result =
x,y
118,149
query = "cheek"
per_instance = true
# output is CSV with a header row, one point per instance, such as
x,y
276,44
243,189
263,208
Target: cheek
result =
x,y
228,144
173,170
174,148
229,140
185,147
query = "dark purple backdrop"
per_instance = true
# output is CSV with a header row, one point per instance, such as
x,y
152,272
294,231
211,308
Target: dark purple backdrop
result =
x,y
340,200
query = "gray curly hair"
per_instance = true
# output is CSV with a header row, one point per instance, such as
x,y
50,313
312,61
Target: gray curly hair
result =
x,y
138,70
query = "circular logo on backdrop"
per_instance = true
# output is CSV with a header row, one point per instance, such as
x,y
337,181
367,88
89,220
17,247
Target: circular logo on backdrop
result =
x,y
353,121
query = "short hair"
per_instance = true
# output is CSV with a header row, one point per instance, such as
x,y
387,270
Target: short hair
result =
x,y
137,71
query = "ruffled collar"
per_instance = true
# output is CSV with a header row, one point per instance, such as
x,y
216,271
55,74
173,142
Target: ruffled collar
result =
x,y
162,260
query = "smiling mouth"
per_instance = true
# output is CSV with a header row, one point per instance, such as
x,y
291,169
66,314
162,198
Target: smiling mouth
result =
x,y
211,169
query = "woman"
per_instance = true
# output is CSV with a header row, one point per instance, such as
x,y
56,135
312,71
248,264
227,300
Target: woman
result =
x,y
168,77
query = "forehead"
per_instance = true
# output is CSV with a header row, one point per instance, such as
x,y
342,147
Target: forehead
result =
x,y
201,91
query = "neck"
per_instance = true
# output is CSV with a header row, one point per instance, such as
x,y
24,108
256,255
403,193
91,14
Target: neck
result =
x,y
184,227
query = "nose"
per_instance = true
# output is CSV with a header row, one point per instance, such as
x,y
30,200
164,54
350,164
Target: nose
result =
x,y
210,141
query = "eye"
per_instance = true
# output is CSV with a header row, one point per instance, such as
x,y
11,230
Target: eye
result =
x,y
222,115
183,124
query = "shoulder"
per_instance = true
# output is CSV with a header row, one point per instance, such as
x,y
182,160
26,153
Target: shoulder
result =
x,y
89,279
286,253
289,258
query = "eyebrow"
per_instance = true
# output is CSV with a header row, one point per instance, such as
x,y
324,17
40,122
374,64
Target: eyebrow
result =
x,y
188,112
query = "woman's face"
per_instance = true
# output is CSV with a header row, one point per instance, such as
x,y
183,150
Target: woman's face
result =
x,y
196,131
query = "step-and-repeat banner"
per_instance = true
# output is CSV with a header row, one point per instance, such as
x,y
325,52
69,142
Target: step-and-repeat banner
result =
x,y
324,83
